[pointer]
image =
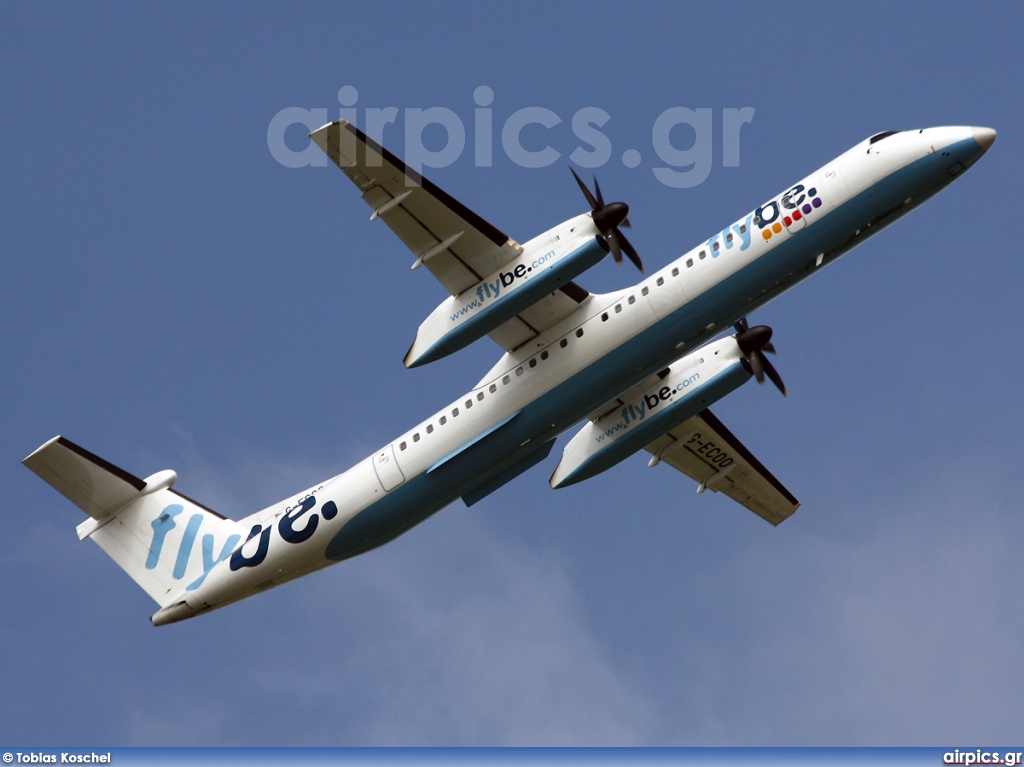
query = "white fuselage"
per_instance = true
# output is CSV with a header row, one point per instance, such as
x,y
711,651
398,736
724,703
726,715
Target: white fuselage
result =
x,y
611,343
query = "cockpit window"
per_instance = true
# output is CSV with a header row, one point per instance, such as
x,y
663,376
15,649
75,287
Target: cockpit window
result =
x,y
882,135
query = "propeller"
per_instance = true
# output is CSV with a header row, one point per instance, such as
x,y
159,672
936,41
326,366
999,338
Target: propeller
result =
x,y
608,218
754,342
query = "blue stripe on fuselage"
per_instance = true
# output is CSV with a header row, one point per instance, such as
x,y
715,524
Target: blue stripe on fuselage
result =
x,y
650,351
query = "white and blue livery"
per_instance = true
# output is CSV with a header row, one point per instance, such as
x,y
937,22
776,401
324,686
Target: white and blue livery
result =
x,y
638,368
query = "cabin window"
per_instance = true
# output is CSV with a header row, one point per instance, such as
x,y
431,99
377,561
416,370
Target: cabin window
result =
x,y
401,446
506,380
579,332
533,362
715,246
455,412
703,254
469,404
443,420
416,437
604,317
661,281
563,343
743,228
519,370
430,428
689,262
544,354
492,388
728,237
675,271
618,308
632,300
480,396
645,290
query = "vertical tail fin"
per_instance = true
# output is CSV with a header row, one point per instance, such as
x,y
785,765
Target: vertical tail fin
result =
x,y
166,542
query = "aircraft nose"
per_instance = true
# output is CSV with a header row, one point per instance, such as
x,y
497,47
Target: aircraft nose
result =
x,y
984,136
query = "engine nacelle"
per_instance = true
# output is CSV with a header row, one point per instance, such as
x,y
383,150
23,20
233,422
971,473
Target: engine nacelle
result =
x,y
545,265
693,382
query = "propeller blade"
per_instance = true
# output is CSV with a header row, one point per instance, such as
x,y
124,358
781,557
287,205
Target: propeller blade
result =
x,y
753,343
754,339
631,251
586,192
755,364
607,218
772,373
613,244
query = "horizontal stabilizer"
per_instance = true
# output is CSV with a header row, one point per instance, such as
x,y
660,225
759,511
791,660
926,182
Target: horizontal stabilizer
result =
x,y
94,485
166,542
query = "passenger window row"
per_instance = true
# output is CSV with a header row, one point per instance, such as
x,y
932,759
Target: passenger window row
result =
x,y
533,361
492,389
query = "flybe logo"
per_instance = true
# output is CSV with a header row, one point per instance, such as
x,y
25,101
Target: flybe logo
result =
x,y
790,210
488,289
289,527
728,238
503,281
164,523
636,411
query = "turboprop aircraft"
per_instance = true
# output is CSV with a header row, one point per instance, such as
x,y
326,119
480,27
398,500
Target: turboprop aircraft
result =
x,y
638,367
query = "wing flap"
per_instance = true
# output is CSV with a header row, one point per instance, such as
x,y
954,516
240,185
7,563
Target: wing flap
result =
x,y
419,212
458,246
703,449
533,321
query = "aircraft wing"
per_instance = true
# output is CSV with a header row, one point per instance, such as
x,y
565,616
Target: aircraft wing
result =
x,y
708,453
458,247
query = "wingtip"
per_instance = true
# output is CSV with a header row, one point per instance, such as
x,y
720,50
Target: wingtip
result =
x,y
322,127
39,449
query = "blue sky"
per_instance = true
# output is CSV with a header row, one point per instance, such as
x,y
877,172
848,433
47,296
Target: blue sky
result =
x,y
173,297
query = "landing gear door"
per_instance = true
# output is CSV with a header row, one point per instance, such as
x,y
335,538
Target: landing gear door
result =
x,y
388,472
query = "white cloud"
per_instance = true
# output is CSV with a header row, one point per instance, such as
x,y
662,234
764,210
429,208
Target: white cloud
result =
x,y
473,641
451,635
906,629
910,634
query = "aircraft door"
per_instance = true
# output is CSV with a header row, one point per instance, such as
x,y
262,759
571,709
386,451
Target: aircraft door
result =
x,y
834,185
388,472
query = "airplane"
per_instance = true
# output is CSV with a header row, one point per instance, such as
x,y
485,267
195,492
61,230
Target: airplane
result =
x,y
637,367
